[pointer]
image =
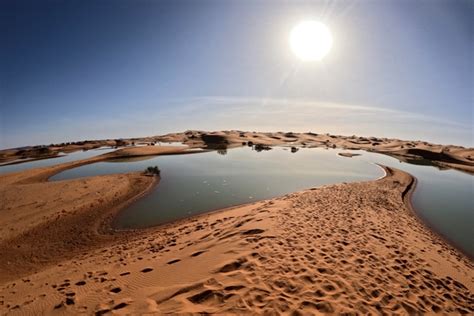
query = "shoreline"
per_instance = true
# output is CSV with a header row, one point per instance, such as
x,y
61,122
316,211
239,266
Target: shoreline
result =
x,y
178,221
104,226
406,197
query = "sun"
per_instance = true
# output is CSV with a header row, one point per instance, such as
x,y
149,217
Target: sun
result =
x,y
310,40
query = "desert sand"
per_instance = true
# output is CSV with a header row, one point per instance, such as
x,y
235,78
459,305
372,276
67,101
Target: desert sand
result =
x,y
444,156
350,247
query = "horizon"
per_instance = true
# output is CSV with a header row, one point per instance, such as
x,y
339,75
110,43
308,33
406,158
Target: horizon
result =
x,y
79,70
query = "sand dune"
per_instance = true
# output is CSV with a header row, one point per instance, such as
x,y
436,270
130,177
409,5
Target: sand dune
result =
x,y
342,248
445,156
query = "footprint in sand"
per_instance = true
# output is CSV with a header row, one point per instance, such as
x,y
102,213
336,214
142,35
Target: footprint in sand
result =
x,y
232,266
116,290
206,296
120,306
253,231
105,311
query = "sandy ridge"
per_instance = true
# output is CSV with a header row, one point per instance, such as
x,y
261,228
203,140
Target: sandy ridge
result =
x,y
443,156
45,222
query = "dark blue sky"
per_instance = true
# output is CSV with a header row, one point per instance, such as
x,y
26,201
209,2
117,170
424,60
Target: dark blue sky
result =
x,y
73,70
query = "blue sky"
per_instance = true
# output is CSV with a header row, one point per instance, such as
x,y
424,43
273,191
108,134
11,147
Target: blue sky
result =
x,y
75,70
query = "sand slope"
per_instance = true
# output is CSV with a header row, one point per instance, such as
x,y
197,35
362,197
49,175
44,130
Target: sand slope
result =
x,y
341,248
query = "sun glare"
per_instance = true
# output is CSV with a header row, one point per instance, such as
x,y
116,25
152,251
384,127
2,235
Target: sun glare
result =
x,y
310,40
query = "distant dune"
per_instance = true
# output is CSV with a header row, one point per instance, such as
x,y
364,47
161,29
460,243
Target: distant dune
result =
x,y
445,156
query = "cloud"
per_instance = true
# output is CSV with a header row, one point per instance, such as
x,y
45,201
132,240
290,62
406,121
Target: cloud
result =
x,y
293,108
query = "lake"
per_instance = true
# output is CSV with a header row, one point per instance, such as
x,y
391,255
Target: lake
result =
x,y
197,183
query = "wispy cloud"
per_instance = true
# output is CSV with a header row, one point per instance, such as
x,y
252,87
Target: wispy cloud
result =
x,y
270,114
221,112
295,107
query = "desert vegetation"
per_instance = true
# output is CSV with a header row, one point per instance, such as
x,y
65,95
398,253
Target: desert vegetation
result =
x,y
152,171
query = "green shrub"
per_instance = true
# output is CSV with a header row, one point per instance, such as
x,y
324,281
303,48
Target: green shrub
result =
x,y
154,171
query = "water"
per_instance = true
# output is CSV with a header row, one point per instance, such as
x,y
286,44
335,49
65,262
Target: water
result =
x,y
77,155
196,183
169,144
